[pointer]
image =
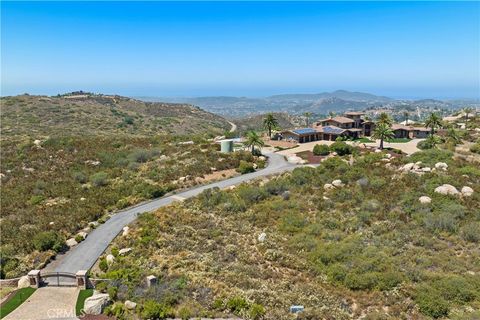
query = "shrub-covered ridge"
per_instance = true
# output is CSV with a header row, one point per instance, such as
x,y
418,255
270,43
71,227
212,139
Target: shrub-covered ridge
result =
x,y
368,248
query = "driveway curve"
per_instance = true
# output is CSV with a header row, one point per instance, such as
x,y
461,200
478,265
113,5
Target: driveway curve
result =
x,y
84,255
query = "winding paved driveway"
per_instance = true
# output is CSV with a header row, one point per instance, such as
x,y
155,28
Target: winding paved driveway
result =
x,y
84,255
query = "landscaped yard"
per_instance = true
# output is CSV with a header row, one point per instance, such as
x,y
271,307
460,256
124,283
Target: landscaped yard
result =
x,y
398,140
82,296
19,297
363,140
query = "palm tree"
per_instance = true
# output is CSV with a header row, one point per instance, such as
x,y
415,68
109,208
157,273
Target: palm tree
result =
x,y
253,140
467,111
307,115
433,121
385,119
405,114
270,123
331,114
382,131
433,140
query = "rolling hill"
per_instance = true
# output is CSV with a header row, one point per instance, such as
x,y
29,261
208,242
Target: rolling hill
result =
x,y
104,114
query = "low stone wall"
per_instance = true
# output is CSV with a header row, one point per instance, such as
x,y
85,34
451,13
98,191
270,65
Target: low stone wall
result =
x,y
92,282
9,282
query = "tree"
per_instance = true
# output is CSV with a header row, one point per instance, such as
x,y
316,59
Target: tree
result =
x,y
331,114
307,115
382,131
270,123
467,111
253,140
405,115
453,136
385,119
433,121
433,140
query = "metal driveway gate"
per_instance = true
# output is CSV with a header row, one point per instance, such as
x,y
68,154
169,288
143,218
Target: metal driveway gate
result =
x,y
58,279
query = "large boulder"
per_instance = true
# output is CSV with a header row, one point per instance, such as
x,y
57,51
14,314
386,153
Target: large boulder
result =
x,y
407,167
295,159
125,231
262,237
96,303
24,282
328,186
83,234
71,242
337,183
124,251
467,191
446,189
110,259
130,305
441,166
417,165
425,200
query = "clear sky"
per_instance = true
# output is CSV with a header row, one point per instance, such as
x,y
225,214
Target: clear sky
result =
x,y
399,49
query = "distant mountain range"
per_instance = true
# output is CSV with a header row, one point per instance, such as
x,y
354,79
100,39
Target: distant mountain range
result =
x,y
318,103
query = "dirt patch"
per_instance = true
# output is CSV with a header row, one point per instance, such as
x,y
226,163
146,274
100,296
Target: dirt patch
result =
x,y
310,157
217,175
280,143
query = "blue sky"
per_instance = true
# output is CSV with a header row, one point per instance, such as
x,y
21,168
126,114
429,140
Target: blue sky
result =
x,y
399,49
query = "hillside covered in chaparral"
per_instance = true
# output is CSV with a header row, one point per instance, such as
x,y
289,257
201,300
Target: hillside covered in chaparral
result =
x,y
68,161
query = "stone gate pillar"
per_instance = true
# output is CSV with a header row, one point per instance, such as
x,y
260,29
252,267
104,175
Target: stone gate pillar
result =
x,y
82,279
34,278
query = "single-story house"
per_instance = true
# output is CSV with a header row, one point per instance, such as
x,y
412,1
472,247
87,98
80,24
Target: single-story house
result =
x,y
332,132
301,135
402,131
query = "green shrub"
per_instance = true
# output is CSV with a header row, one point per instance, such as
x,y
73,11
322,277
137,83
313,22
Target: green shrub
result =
x,y
432,156
80,177
456,289
115,251
444,221
99,179
471,232
321,150
237,304
47,240
140,155
103,265
117,310
432,304
79,238
256,311
112,292
155,310
424,145
101,286
475,148
245,167
36,199
362,281
184,313
341,148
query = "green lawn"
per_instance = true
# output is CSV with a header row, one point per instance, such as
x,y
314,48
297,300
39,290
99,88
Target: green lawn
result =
x,y
19,297
398,140
363,140
82,296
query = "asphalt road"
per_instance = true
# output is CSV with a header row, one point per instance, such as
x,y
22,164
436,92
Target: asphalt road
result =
x,y
84,255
